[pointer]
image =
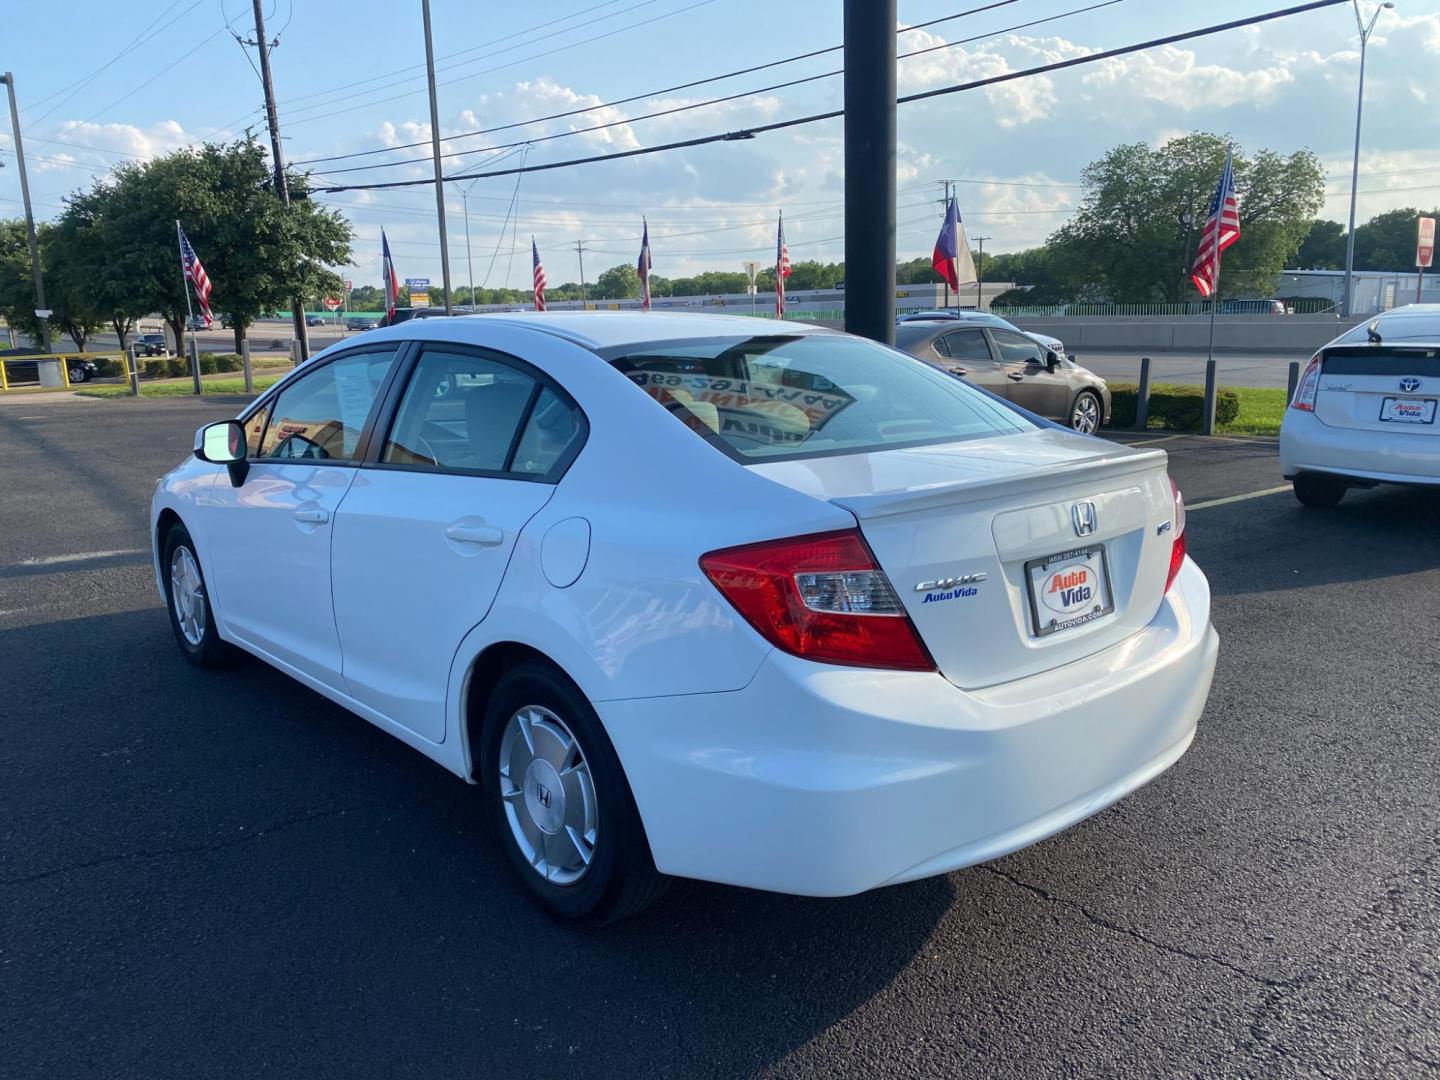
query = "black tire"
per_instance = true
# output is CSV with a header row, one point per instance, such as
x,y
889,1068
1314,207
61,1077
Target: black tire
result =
x,y
1319,490
78,375
210,650
1073,420
621,878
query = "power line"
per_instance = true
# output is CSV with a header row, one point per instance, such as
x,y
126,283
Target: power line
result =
x,y
752,132
667,90
729,97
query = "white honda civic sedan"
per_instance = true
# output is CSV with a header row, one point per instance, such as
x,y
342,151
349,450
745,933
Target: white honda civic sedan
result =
x,y
703,596
1364,410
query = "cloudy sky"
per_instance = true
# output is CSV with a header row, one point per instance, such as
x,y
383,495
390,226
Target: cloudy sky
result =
x,y
350,78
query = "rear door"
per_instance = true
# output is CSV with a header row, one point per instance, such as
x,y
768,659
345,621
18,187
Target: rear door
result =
x,y
970,357
424,535
1391,389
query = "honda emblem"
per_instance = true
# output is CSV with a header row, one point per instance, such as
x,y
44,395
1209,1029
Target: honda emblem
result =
x,y
1085,519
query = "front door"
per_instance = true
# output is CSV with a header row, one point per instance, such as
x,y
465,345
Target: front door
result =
x,y
424,535
270,537
1033,385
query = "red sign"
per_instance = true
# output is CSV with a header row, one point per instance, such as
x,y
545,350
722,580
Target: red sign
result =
x,y
331,304
1425,247
349,286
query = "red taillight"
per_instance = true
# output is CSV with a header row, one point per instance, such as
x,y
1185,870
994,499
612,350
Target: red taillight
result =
x,y
1307,386
1177,548
822,597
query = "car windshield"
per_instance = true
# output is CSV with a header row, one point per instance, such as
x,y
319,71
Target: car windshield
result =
x,y
1393,328
769,398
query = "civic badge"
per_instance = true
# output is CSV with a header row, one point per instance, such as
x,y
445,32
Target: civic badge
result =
x,y
1085,519
1409,384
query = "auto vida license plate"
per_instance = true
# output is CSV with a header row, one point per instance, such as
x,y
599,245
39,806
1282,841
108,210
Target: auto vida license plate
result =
x,y
1408,410
1068,589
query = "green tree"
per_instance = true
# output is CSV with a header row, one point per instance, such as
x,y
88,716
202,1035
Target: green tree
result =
x,y
618,283
1323,247
1387,241
1130,241
17,286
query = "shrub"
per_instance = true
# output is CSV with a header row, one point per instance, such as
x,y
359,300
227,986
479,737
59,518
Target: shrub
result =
x,y
1180,408
155,367
207,363
177,367
228,362
108,366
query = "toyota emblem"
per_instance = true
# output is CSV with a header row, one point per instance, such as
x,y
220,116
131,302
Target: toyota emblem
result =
x,y
1409,384
1085,519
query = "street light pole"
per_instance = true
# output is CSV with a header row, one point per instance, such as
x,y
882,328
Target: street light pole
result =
x,y
1365,29
44,320
435,153
465,202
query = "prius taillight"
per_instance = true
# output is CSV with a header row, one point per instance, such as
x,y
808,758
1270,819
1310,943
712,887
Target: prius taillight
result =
x,y
1177,547
1307,387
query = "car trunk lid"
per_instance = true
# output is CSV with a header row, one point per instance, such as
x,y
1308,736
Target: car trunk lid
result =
x,y
1380,388
1013,554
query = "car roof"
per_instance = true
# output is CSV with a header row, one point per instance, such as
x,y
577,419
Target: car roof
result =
x,y
1413,324
598,330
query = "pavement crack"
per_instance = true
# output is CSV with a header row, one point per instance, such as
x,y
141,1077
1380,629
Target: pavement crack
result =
x,y
1161,946
249,837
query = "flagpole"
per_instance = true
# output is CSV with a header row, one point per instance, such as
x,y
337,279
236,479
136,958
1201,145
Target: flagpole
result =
x,y
193,360
1215,241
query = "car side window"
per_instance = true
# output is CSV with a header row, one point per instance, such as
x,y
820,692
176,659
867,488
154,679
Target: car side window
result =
x,y
1017,348
967,344
940,347
550,435
255,429
320,416
462,412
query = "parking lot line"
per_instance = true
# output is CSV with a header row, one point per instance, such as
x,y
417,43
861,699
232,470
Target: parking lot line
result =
x,y
1152,442
51,560
1237,498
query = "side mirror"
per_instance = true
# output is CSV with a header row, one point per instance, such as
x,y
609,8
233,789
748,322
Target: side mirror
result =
x,y
223,443
1052,359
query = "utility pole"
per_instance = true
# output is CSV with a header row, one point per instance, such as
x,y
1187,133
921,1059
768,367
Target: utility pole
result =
x,y
465,202
580,251
44,320
980,274
282,188
870,169
435,153
945,209
1365,32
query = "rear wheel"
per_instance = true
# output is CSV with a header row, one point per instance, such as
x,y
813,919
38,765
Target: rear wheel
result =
x,y
560,801
188,599
1085,414
78,374
1316,489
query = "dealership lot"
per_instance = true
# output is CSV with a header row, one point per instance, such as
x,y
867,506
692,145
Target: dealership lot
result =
x,y
223,873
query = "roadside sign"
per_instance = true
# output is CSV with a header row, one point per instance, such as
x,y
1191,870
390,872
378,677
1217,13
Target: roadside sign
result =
x,y
1425,246
349,286
43,312
419,299
331,304
417,282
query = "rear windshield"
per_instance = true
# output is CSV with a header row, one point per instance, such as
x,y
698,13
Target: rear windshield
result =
x,y
772,398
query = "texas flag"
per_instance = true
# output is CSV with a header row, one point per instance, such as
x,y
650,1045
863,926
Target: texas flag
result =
x,y
952,250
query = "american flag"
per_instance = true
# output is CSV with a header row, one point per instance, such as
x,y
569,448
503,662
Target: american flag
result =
x,y
387,275
1222,228
782,267
642,268
539,276
195,273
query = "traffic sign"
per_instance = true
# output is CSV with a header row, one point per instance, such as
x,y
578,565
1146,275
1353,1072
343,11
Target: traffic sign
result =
x,y
349,286
331,304
1425,246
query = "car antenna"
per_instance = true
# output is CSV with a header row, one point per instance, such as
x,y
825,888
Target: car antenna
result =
x,y
1373,330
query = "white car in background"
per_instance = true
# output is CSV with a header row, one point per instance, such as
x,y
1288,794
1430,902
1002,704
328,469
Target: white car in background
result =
x,y
1364,410
690,595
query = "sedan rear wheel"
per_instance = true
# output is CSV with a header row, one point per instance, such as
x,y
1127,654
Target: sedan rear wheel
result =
x,y
1316,489
559,797
78,374
1085,413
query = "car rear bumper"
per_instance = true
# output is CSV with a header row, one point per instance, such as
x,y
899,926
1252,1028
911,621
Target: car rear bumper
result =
x,y
1387,457
827,781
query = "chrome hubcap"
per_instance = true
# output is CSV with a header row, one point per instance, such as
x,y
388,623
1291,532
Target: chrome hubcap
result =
x,y
1087,415
187,595
549,795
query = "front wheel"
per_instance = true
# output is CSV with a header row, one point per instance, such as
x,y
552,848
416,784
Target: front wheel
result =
x,y
1085,414
1315,489
191,617
560,800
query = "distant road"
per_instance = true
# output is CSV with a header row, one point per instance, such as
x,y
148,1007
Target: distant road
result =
x,y
1259,369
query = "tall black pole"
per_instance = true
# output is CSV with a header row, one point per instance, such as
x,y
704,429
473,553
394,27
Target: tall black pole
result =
x,y
272,116
435,154
870,169
35,268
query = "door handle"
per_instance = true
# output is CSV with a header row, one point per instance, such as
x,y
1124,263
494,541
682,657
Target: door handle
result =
x,y
312,517
959,371
1015,376
481,535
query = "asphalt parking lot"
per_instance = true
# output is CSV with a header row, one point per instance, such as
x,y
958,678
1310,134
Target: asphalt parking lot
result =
x,y
223,874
